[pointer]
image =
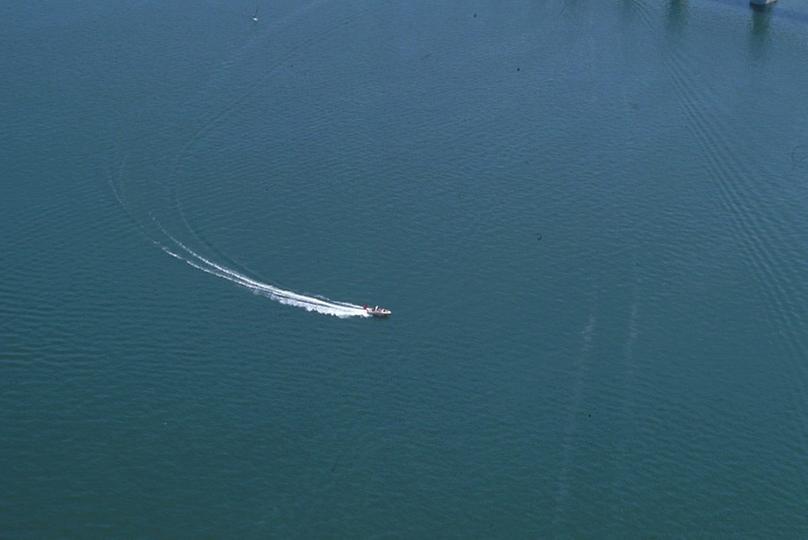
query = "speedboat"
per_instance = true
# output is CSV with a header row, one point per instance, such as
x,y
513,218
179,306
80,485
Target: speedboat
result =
x,y
378,312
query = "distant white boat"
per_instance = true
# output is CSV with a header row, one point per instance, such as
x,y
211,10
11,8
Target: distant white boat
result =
x,y
255,15
378,312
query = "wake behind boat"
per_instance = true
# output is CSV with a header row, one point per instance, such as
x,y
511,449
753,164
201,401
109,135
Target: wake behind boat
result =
x,y
378,312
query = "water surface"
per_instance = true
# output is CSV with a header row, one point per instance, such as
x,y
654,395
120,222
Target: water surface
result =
x,y
588,219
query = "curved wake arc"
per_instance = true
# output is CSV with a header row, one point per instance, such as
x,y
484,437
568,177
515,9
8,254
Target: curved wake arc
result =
x,y
179,250
324,306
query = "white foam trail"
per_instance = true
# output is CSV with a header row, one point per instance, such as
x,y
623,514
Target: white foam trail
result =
x,y
309,303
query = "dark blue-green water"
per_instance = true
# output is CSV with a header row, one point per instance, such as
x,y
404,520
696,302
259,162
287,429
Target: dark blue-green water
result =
x,y
588,218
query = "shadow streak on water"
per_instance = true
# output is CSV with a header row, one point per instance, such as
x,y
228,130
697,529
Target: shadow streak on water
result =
x,y
677,15
760,33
